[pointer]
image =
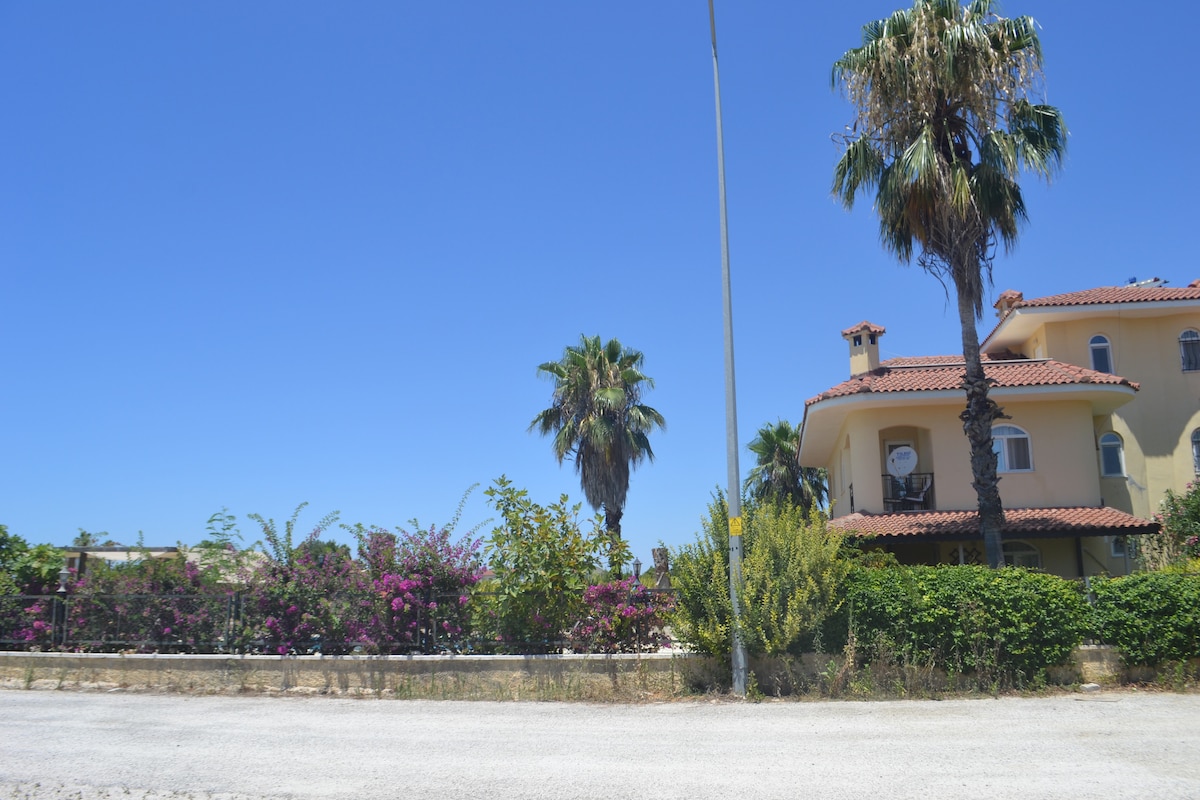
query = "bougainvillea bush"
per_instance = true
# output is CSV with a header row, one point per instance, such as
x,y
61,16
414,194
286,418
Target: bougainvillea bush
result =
x,y
420,585
622,617
149,604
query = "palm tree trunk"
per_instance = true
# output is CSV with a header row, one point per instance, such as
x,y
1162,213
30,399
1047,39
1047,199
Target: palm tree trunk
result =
x,y
980,413
612,522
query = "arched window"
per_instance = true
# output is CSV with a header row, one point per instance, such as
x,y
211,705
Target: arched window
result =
x,y
1011,445
1101,353
1189,350
1022,554
1196,451
1112,456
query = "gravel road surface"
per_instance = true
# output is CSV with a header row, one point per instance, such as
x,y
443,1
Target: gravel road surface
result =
x,y
148,747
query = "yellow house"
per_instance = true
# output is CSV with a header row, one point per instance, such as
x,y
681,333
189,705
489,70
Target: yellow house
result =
x,y
1102,388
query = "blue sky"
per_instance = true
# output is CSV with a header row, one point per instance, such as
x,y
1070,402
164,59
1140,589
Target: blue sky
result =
x,y
254,254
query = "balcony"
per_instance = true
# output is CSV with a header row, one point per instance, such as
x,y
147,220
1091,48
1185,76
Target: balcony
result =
x,y
913,492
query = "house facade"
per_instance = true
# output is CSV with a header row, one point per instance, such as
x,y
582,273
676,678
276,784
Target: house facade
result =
x,y
1102,393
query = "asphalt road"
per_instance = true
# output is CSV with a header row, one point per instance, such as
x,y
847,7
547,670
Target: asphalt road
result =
x,y
143,747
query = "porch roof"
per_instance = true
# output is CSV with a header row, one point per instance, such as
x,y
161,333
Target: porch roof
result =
x,y
1025,523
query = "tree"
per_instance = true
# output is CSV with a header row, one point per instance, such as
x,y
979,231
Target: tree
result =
x,y
596,416
944,125
778,474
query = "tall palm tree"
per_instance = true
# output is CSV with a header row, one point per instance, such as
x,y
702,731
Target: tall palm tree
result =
x,y
596,416
945,122
778,474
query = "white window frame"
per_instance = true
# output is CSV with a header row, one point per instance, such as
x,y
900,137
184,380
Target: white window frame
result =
x,y
1109,441
1189,350
1001,436
1100,343
1019,553
1196,451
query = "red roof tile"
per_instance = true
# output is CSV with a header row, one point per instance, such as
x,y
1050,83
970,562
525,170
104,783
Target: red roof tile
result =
x,y
869,327
939,373
1035,523
1112,294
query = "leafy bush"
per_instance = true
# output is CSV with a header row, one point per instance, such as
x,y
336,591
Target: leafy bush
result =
x,y
420,587
148,604
792,570
1001,626
621,617
310,597
1179,540
1151,617
792,575
703,616
542,561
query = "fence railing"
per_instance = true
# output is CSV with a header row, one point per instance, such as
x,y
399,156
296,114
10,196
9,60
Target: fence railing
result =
x,y
228,623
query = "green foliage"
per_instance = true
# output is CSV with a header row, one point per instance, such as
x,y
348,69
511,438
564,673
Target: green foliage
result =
x,y
792,574
1151,617
25,569
999,626
1177,545
282,543
792,571
703,615
542,562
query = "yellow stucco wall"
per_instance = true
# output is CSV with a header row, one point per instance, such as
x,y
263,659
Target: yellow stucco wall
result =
x,y
1061,437
1156,427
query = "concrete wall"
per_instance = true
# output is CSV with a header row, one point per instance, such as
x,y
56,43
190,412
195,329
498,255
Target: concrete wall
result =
x,y
568,677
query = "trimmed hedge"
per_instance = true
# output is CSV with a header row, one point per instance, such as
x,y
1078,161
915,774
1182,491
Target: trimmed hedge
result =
x,y
1001,626
1152,617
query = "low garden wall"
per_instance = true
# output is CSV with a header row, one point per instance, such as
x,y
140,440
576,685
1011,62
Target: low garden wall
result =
x,y
536,677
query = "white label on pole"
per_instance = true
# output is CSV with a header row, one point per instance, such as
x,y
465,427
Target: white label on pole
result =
x,y
901,461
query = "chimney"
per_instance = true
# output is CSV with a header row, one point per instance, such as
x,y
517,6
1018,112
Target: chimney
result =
x,y
1007,301
864,346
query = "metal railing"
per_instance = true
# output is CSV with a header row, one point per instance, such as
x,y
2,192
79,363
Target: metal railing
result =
x,y
229,623
913,492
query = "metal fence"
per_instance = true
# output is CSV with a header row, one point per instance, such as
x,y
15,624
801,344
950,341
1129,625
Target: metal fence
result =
x,y
229,623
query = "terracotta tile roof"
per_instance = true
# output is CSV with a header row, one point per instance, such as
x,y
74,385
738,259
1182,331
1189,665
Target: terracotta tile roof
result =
x,y
869,327
1112,294
936,373
1036,523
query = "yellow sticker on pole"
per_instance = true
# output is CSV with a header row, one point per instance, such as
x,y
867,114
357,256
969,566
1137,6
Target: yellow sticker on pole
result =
x,y
735,526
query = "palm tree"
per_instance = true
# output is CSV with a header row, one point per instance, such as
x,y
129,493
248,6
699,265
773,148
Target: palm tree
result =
x,y
596,416
944,124
778,474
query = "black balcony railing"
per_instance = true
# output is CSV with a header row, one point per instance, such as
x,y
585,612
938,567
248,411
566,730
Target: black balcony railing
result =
x,y
913,492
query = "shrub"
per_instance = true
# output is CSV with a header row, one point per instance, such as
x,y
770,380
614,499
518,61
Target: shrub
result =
x,y
1151,617
703,616
1179,540
621,617
793,568
542,561
305,598
149,604
420,584
1001,626
792,575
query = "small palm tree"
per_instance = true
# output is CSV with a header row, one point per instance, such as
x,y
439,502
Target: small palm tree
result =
x,y
777,475
944,124
596,416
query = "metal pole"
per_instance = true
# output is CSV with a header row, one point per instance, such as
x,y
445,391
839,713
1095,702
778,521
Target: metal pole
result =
x,y
738,655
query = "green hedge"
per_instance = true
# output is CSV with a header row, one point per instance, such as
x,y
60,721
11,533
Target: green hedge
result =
x,y
1001,626
1152,617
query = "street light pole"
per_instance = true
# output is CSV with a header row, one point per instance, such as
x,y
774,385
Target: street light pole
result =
x,y
738,655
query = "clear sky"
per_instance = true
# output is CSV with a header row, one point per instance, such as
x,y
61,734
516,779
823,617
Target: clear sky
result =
x,y
254,254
